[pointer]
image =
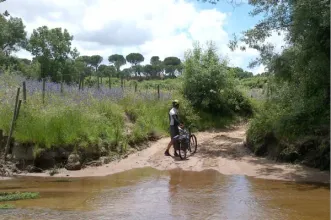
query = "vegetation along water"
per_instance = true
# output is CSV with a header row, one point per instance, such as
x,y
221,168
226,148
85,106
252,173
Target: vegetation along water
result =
x,y
70,111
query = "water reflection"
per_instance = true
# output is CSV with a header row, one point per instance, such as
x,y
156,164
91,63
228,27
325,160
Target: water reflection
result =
x,y
176,194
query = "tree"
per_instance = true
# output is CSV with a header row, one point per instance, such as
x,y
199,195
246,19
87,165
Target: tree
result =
x,y
118,61
137,69
207,85
95,61
126,72
12,34
148,70
298,101
240,73
52,47
134,59
88,68
157,65
107,71
171,64
155,60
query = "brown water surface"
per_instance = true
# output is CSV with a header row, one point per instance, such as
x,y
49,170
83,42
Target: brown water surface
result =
x,y
150,194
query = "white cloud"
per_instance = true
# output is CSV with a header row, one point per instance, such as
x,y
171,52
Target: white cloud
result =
x,y
151,27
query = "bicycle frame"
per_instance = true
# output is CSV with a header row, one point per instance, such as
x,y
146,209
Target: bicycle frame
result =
x,y
184,134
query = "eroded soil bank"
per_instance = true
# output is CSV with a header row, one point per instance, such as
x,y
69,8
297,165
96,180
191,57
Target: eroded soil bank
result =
x,y
223,151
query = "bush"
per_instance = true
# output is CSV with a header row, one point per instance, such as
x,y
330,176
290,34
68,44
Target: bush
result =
x,y
294,120
209,86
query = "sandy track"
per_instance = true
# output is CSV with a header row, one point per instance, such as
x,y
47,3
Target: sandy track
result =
x,y
221,151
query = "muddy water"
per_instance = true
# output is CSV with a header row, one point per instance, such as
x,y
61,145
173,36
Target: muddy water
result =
x,y
150,194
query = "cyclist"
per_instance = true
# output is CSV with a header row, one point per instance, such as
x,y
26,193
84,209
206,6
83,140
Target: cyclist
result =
x,y
174,123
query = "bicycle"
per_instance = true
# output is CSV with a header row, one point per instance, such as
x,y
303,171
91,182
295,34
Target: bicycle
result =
x,y
187,142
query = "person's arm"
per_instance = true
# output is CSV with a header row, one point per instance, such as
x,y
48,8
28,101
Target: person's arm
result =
x,y
176,119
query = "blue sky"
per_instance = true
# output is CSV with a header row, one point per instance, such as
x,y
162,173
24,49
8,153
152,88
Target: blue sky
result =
x,y
151,27
240,19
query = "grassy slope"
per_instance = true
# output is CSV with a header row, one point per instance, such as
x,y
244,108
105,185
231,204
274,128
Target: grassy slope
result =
x,y
273,131
87,121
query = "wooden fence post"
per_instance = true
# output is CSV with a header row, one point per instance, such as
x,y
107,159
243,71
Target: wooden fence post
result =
x,y
24,92
1,138
18,109
158,91
12,124
82,81
61,83
98,81
43,92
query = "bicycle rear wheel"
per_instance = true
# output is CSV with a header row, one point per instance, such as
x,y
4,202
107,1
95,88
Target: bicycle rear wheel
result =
x,y
182,151
193,143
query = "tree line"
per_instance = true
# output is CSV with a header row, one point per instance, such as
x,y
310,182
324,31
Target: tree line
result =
x,y
55,58
52,52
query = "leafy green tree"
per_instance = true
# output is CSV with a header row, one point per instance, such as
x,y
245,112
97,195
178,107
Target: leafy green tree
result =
x,y
137,69
207,84
95,61
148,70
240,73
155,60
103,69
117,60
157,66
126,72
85,59
12,34
88,68
51,47
171,64
107,71
298,90
135,59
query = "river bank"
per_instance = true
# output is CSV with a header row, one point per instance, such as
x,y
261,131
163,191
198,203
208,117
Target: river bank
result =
x,y
223,151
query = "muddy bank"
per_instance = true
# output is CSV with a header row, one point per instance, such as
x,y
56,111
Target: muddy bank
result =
x,y
223,151
25,158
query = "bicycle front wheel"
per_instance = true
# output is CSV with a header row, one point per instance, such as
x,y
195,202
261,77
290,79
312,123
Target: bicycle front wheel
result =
x,y
193,143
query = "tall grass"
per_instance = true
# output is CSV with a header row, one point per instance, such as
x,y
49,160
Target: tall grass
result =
x,y
82,118
94,118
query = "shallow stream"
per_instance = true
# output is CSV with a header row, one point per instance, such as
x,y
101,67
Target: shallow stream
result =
x,y
151,194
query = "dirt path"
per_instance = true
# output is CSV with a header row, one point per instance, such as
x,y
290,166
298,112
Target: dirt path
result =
x,y
221,151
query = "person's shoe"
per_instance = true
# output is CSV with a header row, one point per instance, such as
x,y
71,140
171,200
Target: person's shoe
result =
x,y
167,153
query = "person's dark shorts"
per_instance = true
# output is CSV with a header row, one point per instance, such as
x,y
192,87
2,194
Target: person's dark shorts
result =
x,y
173,131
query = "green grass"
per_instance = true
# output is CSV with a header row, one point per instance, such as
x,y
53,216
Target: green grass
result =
x,y
12,196
61,121
254,82
7,206
116,124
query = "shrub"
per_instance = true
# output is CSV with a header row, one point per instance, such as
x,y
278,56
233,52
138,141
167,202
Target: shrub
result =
x,y
209,86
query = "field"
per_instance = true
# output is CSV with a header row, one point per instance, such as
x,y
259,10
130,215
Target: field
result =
x,y
82,117
92,117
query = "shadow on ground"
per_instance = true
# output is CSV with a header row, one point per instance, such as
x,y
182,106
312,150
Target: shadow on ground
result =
x,y
233,148
223,146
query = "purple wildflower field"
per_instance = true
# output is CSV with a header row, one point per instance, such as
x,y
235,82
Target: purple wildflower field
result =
x,y
71,93
74,116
